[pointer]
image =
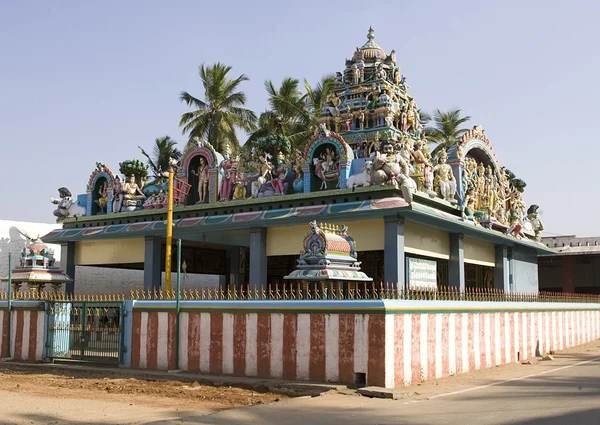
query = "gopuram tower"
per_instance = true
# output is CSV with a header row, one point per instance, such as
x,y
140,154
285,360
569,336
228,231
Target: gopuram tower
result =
x,y
370,99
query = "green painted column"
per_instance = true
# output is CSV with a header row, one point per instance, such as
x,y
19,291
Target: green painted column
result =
x,y
258,258
67,264
502,269
152,262
456,264
393,250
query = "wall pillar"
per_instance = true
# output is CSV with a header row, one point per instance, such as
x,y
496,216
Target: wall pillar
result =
x,y
456,265
502,269
258,258
393,251
567,274
67,264
152,262
232,270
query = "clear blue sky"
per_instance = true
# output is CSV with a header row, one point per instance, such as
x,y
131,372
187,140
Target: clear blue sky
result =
x,y
84,81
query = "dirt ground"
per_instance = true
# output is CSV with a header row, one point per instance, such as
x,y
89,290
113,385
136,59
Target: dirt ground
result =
x,y
170,394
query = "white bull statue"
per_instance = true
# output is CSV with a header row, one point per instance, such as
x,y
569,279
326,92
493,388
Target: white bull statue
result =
x,y
67,206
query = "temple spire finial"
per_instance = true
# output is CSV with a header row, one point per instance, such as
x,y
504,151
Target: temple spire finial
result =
x,y
370,35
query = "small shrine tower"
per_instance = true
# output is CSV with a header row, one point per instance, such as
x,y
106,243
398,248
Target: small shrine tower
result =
x,y
37,268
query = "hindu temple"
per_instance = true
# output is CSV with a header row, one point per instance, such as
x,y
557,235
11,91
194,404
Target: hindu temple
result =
x,y
456,218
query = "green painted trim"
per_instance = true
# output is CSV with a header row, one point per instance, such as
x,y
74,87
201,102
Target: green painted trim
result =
x,y
346,310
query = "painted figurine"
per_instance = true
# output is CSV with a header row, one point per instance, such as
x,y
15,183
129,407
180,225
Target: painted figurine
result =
x,y
67,206
117,195
535,220
390,168
131,191
327,168
444,181
202,175
240,187
282,172
228,174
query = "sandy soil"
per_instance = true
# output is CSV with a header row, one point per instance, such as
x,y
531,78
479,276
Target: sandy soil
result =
x,y
171,394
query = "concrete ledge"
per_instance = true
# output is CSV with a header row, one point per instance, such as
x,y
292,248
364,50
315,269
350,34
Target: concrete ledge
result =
x,y
379,392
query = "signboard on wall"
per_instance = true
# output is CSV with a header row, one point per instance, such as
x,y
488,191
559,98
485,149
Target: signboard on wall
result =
x,y
421,274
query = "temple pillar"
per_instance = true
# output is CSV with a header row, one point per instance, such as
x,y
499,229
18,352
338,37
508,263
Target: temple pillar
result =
x,y
233,279
502,269
393,250
456,264
258,258
152,262
67,264
568,282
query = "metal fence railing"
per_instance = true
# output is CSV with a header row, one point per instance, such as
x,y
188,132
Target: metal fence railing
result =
x,y
314,291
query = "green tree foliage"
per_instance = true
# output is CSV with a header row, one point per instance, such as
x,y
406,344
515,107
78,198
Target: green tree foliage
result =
x,y
164,149
447,128
221,113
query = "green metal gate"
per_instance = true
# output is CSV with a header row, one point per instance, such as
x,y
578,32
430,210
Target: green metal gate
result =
x,y
85,331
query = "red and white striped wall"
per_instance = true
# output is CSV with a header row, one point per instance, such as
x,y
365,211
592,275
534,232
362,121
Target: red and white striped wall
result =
x,y
430,346
392,350
27,331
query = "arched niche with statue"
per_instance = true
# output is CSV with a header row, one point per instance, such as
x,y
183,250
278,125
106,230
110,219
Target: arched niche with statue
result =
x,y
200,167
473,144
329,158
100,191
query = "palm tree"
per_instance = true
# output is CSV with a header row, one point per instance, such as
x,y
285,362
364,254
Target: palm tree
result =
x,y
164,149
314,100
446,130
282,118
217,118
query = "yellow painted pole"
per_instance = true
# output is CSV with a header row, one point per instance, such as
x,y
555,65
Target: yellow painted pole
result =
x,y
169,232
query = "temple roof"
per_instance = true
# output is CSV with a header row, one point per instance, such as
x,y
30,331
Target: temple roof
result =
x,y
371,50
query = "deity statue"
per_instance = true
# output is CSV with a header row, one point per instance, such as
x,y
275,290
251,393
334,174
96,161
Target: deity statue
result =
x,y
229,172
327,168
131,190
240,187
282,173
422,167
299,182
265,174
66,205
380,72
403,119
390,168
339,79
444,181
117,195
103,197
468,207
355,74
361,119
535,220
202,175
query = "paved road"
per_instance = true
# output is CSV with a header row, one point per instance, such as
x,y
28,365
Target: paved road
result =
x,y
564,391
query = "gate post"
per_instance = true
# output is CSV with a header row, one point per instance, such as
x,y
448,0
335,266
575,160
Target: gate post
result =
x,y
127,332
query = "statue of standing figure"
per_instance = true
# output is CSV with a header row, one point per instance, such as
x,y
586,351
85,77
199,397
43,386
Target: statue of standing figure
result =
x,y
202,175
444,181
536,222
228,173
117,195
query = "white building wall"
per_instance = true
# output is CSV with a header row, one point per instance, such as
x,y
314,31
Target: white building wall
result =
x,y
88,280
